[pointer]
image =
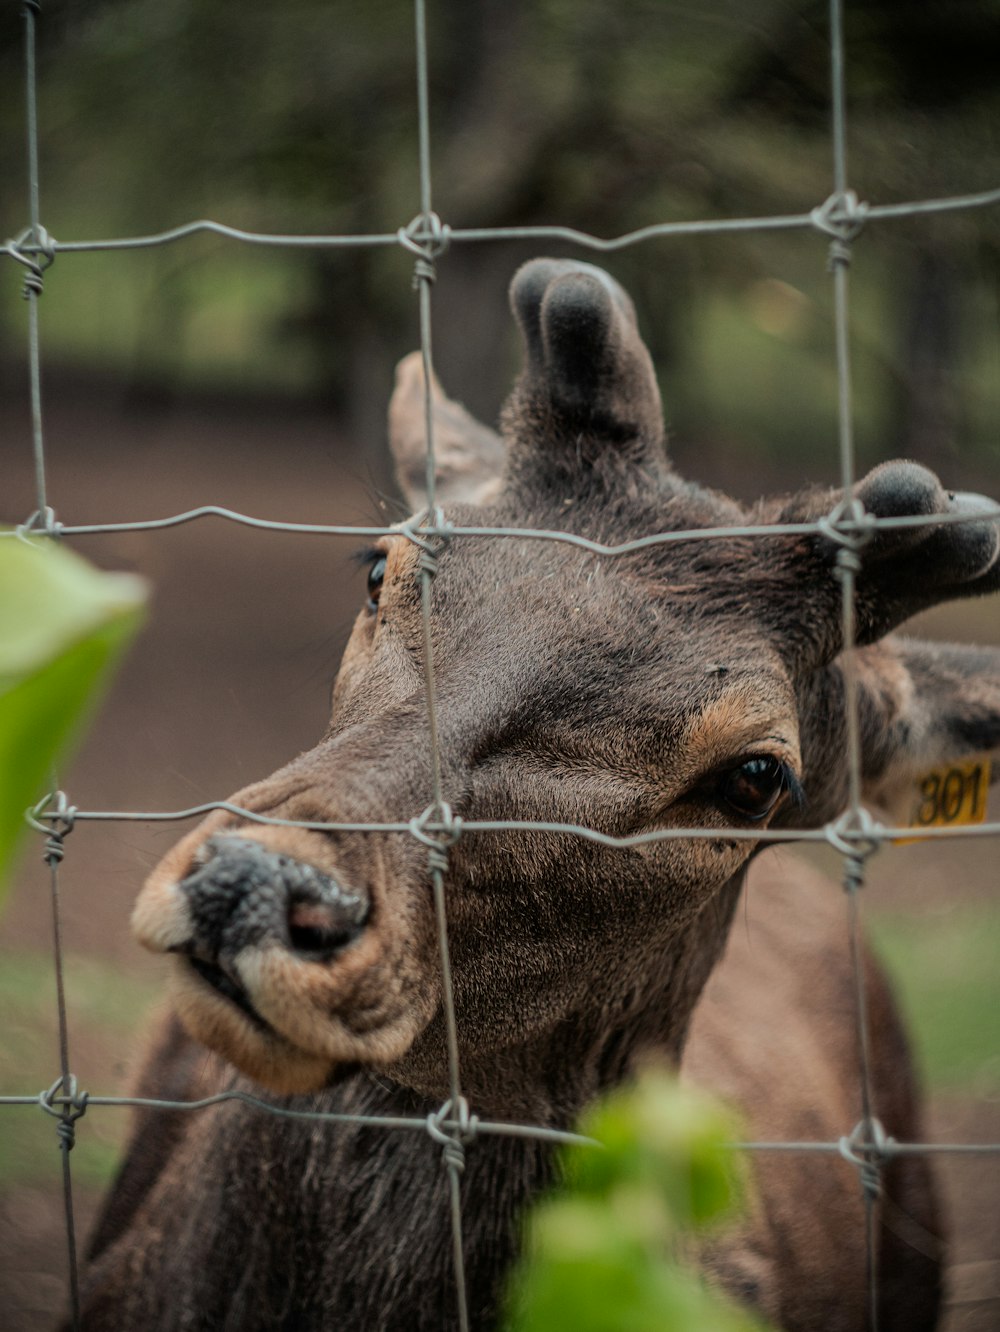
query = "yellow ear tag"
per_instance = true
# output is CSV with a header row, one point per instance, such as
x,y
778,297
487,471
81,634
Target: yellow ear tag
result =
x,y
950,796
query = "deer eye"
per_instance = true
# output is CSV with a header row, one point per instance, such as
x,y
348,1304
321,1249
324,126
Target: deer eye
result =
x,y
754,788
376,575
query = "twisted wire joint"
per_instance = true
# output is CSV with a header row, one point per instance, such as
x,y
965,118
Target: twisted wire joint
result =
x,y
428,238
841,217
856,836
850,527
35,249
72,1106
438,829
431,545
42,522
869,1149
460,1131
54,817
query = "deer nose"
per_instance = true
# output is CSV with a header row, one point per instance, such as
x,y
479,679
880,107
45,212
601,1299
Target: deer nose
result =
x,y
243,894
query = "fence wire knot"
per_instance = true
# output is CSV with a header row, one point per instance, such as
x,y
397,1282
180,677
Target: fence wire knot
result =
x,y
55,817
869,1149
42,522
428,238
841,217
431,544
36,250
850,526
438,829
72,1106
856,836
461,1130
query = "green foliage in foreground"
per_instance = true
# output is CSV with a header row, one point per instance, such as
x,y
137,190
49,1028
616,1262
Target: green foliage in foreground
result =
x,y
601,1253
63,625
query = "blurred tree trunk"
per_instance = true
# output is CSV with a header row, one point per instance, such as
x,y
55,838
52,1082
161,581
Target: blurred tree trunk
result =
x,y
928,412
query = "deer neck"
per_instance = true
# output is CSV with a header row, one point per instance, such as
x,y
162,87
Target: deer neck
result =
x,y
644,1013
273,1257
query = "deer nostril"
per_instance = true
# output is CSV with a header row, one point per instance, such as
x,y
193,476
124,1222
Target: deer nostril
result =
x,y
322,916
320,929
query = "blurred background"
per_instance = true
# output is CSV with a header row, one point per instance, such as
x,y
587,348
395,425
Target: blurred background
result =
x,y
211,372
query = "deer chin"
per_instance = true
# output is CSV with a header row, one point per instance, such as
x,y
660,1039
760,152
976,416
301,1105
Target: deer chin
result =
x,y
275,1016
252,1046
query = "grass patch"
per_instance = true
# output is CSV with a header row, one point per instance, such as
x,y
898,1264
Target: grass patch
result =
x,y
944,966
106,1007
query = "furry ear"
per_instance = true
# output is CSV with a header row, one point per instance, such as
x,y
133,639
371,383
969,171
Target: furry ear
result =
x,y
902,570
925,706
469,457
923,709
587,369
909,569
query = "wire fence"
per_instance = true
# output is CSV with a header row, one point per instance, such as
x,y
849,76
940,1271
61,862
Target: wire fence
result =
x,y
855,835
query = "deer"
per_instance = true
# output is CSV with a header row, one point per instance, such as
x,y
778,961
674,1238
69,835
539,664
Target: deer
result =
x,y
694,684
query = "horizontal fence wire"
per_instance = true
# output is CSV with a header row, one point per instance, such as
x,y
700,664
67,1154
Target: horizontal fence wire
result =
x,y
472,1126
838,834
491,1128
855,835
818,219
42,525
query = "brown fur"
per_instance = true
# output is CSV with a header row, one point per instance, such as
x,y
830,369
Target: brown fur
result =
x,y
621,694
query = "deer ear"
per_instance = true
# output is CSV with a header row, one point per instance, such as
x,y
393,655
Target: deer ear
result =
x,y
904,569
587,369
925,706
469,457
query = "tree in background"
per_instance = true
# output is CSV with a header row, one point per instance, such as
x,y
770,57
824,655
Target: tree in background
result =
x,y
602,116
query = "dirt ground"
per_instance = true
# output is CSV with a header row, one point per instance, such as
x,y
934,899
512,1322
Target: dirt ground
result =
x,y
230,679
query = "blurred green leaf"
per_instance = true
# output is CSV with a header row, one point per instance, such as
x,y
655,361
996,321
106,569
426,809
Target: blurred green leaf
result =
x,y
658,1136
601,1253
63,626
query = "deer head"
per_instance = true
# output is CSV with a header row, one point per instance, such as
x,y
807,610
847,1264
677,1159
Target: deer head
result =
x,y
685,685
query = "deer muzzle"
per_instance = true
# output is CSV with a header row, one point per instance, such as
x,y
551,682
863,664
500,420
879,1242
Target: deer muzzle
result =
x,y
279,963
243,894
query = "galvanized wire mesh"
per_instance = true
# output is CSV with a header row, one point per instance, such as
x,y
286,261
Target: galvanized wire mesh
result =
x,y
855,835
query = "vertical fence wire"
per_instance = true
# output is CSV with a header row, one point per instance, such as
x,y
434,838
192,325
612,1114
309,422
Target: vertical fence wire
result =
x,y
855,835
453,1150
848,567
33,287
67,1086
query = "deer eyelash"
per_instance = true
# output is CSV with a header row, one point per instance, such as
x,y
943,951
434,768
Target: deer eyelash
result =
x,y
365,555
796,791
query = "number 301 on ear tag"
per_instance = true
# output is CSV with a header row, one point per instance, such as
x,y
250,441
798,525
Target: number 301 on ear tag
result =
x,y
950,796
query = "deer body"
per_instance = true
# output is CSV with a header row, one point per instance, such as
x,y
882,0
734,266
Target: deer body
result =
x,y
694,685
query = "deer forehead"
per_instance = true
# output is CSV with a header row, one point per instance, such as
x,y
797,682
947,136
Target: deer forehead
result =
x,y
606,659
